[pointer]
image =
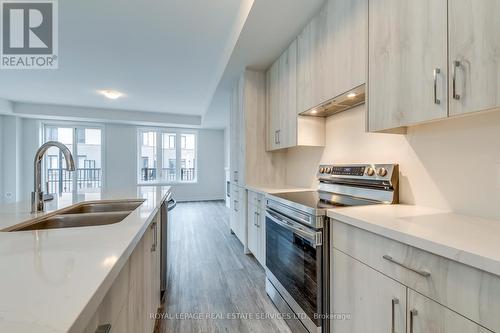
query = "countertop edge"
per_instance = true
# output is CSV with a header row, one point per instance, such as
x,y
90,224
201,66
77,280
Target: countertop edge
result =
x,y
459,255
95,300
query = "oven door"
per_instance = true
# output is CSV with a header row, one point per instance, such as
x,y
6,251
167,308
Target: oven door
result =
x,y
294,266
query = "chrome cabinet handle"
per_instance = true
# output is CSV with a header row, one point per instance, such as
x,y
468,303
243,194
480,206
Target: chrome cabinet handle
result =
x,y
155,234
236,176
255,218
275,137
436,72
258,220
418,271
456,64
103,329
235,205
413,313
279,139
393,324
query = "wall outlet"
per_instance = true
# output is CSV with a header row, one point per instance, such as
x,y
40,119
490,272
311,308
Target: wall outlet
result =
x,y
8,195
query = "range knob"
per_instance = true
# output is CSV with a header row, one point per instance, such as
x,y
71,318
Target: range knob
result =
x,y
328,170
382,172
321,170
370,172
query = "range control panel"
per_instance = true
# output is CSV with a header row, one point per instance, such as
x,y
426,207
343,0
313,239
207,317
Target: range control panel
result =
x,y
363,170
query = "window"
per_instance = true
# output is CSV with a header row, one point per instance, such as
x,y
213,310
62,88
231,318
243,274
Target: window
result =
x,y
85,146
173,159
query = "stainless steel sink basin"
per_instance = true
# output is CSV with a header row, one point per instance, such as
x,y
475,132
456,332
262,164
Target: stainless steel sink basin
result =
x,y
85,214
104,206
75,220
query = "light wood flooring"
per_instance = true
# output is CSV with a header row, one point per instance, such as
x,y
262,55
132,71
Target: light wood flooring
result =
x,y
212,285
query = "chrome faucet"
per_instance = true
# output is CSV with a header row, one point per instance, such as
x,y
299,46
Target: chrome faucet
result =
x,y
37,204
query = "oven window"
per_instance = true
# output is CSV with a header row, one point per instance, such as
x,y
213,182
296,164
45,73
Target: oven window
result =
x,y
296,264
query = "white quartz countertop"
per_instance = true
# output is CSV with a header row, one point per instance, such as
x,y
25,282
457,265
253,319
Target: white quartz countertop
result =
x,y
53,280
271,190
469,240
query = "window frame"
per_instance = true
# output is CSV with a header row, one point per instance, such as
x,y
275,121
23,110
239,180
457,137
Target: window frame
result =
x,y
159,154
76,125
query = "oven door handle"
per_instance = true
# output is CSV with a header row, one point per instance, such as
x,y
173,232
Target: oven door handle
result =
x,y
316,238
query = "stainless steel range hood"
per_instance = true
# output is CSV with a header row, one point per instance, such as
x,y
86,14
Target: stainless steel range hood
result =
x,y
338,104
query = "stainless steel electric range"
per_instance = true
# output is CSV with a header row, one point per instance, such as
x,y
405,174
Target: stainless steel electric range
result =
x,y
297,238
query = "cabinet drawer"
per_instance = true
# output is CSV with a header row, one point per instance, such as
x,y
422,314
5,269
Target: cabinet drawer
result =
x,y
256,199
473,293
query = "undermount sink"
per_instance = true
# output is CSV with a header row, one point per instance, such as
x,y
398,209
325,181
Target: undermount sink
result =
x,y
76,220
104,206
83,215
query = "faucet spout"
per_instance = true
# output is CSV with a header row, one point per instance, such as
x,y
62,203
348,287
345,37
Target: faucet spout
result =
x,y
37,203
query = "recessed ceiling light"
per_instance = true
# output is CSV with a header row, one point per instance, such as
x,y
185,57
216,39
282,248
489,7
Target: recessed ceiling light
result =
x,y
351,95
111,94
314,111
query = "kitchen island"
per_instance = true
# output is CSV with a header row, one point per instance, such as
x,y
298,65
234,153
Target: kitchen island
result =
x,y
56,280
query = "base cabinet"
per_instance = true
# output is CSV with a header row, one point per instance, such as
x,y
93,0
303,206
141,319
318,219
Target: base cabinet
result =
x,y
363,300
380,285
134,296
427,316
238,216
256,224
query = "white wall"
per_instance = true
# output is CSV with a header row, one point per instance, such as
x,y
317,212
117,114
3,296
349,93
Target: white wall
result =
x,y
1,159
120,145
11,140
451,164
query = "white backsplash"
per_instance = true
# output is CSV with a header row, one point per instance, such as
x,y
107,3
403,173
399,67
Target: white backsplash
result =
x,y
451,164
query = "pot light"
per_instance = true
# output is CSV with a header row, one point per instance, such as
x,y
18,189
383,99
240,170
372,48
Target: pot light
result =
x,y
314,111
111,94
351,95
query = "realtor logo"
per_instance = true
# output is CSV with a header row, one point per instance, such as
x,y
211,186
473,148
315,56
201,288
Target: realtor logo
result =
x,y
29,34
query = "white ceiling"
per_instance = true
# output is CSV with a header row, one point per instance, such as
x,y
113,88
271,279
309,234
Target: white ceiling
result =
x,y
164,55
269,29
168,56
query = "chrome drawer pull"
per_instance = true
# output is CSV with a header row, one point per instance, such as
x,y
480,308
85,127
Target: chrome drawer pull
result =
x,y
413,313
418,271
436,72
456,64
393,324
103,329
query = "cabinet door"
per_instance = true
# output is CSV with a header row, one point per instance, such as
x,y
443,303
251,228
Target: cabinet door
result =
x,y
253,230
272,109
374,302
312,73
347,44
407,44
427,316
287,136
474,44
261,218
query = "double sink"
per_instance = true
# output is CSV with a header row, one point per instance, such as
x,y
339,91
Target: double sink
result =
x,y
82,215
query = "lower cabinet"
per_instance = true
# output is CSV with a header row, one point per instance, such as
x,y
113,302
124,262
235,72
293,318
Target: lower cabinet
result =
x,y
363,300
256,224
238,216
427,316
371,292
134,297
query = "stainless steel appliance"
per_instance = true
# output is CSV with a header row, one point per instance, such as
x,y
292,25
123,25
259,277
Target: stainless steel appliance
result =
x,y
297,237
167,206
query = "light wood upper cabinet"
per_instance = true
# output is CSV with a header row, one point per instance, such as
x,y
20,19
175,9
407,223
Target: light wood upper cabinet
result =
x,y
426,316
474,42
273,111
312,63
407,62
375,303
285,128
347,31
